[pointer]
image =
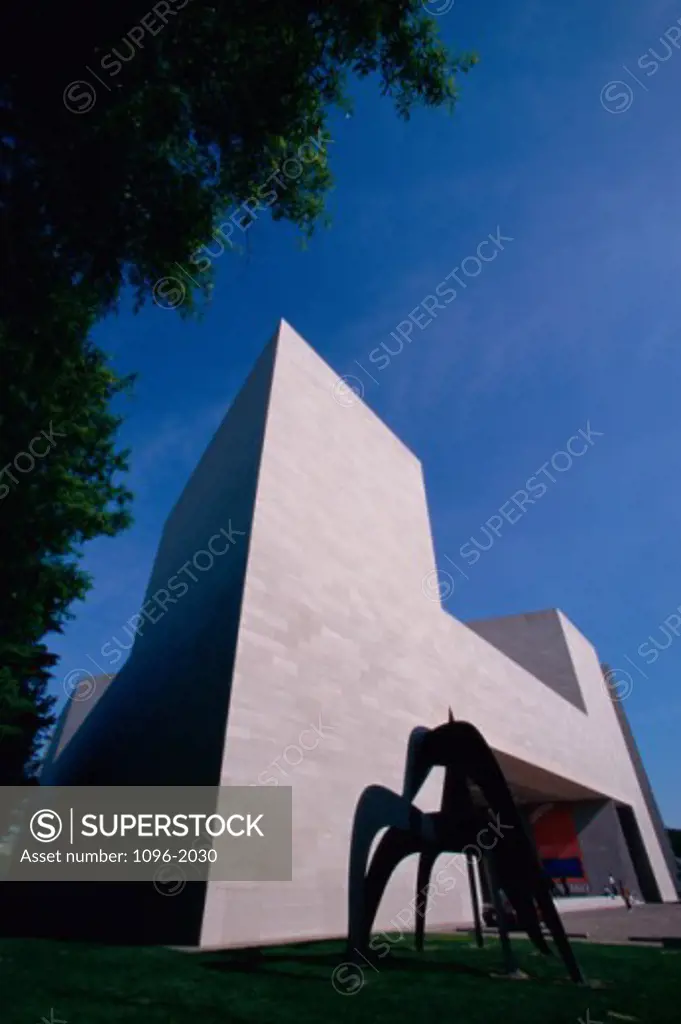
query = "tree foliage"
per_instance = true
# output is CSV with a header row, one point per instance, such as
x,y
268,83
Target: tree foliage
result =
x,y
129,132
58,489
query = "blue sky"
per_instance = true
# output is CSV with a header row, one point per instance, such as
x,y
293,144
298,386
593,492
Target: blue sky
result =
x,y
576,321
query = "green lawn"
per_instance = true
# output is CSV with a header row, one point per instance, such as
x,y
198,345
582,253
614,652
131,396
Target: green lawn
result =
x,y
451,982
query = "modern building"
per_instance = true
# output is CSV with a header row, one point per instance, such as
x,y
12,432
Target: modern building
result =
x,y
293,634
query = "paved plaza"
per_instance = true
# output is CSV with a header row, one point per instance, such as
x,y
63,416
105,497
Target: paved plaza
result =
x,y
647,922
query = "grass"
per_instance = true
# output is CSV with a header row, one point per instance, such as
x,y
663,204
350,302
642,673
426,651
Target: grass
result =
x,y
452,981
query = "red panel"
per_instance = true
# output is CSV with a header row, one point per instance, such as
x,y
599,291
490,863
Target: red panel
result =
x,y
555,834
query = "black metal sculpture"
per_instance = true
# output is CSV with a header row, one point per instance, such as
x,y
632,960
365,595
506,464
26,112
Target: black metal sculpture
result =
x,y
511,864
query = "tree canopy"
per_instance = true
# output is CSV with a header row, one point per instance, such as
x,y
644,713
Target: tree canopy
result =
x,y
131,136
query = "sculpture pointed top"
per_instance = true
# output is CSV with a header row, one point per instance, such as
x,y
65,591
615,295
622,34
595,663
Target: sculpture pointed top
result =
x,y
450,717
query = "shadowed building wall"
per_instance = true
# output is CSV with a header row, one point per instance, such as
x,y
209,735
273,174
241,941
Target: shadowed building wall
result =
x,y
604,846
163,719
641,774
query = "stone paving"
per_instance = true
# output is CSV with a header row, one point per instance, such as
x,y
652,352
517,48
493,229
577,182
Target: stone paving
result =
x,y
651,922
648,921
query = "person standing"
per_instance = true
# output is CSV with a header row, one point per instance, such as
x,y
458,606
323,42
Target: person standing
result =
x,y
626,895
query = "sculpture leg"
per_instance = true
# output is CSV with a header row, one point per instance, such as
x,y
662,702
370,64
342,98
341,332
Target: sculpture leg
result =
x,y
553,922
378,807
509,958
536,903
527,889
426,862
475,901
393,847
516,877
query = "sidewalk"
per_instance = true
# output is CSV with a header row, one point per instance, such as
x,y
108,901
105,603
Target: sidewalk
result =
x,y
645,922
648,922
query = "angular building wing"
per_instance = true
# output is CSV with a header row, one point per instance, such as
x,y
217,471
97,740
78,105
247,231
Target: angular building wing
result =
x,y
302,639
